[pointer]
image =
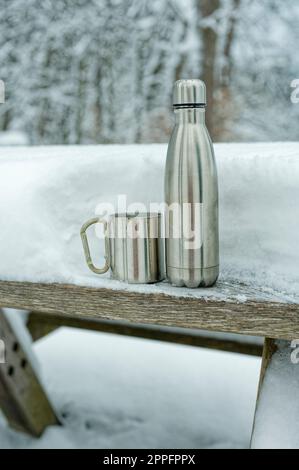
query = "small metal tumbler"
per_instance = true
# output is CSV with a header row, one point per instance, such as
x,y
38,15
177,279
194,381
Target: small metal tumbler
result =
x,y
134,247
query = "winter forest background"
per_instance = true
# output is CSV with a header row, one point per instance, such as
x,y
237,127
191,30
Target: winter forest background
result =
x,y
101,71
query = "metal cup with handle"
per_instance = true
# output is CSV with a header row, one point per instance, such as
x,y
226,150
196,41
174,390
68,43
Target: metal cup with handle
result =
x,y
134,247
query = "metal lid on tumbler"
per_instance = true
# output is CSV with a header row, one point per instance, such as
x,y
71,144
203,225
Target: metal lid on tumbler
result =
x,y
189,92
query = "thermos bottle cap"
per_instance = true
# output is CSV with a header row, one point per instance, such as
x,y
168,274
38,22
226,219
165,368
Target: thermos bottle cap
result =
x,y
189,92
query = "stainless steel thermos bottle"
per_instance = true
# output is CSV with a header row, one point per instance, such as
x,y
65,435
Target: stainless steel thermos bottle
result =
x,y
191,192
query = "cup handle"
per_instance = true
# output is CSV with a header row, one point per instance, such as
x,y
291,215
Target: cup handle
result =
x,y
92,267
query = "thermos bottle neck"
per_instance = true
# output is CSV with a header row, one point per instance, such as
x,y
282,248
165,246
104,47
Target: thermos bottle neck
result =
x,y
190,116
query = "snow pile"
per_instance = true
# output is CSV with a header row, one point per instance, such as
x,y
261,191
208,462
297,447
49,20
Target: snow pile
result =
x,y
138,393
46,193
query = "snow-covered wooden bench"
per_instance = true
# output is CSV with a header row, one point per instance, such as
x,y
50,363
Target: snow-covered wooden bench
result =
x,y
23,399
42,268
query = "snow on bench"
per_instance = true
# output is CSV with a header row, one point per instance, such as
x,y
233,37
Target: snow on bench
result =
x,y
47,192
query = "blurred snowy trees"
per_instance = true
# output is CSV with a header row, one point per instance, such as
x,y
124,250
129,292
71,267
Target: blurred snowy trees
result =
x,y
88,71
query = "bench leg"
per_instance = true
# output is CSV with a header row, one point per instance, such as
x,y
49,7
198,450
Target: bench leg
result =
x,y
277,408
22,397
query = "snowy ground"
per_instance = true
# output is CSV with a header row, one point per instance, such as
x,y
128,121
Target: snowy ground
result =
x,y
122,392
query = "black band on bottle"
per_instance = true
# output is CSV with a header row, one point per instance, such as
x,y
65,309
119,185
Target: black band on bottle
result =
x,y
189,105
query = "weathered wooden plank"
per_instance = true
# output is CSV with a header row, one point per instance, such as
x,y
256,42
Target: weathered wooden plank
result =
x,y
22,397
257,318
41,325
